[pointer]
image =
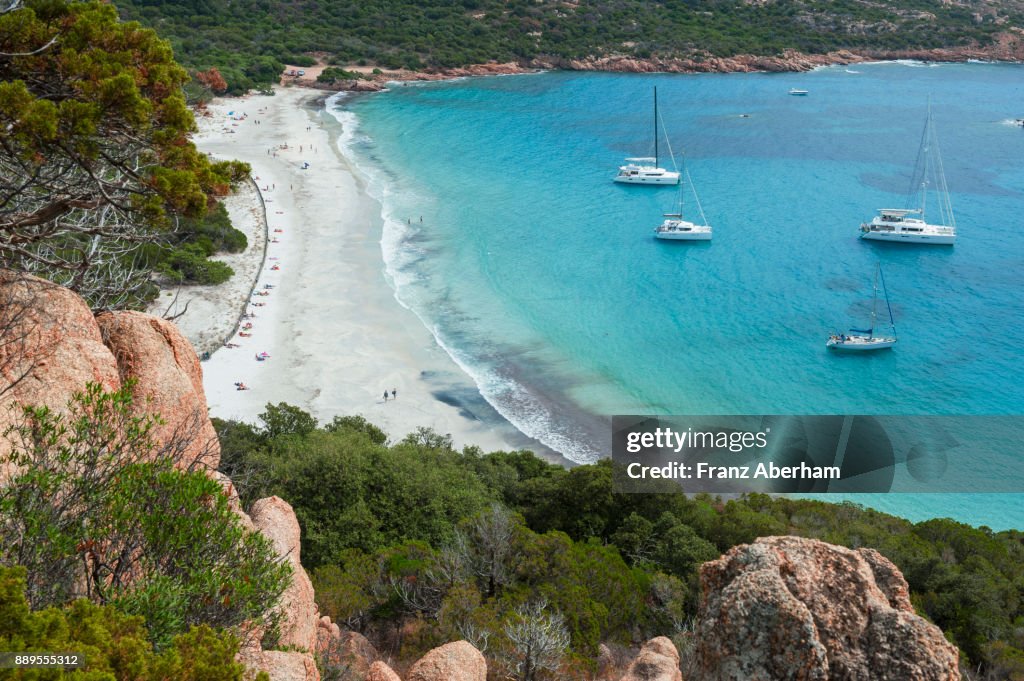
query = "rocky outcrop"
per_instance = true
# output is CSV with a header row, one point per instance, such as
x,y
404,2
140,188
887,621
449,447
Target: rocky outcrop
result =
x,y
167,380
51,345
381,672
658,661
344,650
458,661
286,665
300,626
1007,45
275,518
787,608
303,634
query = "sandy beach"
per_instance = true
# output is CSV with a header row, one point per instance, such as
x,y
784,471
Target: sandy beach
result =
x,y
333,336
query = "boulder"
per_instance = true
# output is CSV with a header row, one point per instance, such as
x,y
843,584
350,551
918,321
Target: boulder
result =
x,y
787,608
658,661
347,650
288,666
458,661
50,347
275,518
168,381
381,672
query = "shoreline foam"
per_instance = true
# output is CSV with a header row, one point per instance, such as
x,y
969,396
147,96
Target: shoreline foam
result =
x,y
530,413
335,334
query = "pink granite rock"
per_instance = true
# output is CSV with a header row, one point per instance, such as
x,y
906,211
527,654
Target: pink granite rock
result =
x,y
169,380
658,661
275,518
458,661
798,609
381,672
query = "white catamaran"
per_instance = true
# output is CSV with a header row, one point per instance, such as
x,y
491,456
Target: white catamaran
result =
x,y
676,228
861,340
908,225
646,170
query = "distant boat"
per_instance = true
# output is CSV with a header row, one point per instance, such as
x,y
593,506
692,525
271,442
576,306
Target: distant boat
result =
x,y
900,224
646,170
675,228
864,340
798,93
1020,122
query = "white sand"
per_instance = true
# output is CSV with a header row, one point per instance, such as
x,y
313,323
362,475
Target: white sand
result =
x,y
336,335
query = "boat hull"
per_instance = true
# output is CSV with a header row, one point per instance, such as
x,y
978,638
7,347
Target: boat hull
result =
x,y
683,236
905,238
667,178
858,344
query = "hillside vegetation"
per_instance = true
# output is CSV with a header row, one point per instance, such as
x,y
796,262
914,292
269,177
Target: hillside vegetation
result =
x,y
415,543
249,40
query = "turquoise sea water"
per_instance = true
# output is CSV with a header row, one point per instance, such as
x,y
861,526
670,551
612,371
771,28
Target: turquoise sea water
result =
x,y
540,275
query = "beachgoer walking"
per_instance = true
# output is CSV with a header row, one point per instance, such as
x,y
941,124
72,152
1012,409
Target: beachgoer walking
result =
x,y
394,393
385,395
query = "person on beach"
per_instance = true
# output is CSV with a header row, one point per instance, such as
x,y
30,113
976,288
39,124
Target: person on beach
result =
x,y
385,395
394,393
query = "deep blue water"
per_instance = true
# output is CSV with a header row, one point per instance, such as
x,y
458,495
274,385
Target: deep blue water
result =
x,y
541,277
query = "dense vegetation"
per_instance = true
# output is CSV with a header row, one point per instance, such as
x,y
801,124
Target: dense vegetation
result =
x,y
414,543
112,645
249,40
95,509
96,163
186,258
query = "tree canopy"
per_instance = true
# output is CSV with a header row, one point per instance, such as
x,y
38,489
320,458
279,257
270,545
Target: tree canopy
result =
x,y
95,159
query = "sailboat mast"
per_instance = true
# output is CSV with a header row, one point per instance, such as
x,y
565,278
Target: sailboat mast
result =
x,y
927,159
874,301
656,127
892,322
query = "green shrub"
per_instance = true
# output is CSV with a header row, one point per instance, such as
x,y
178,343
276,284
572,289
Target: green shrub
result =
x,y
112,645
189,265
99,510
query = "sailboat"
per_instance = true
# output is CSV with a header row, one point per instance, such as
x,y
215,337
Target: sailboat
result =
x,y
676,228
908,225
862,340
645,170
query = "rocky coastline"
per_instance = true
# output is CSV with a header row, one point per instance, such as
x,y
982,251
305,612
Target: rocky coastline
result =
x,y
1009,47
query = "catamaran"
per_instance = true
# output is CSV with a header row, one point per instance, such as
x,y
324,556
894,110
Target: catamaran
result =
x,y
645,170
676,228
908,225
861,340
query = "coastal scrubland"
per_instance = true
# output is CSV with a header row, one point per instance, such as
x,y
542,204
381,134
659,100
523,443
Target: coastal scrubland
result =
x,y
414,543
250,41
